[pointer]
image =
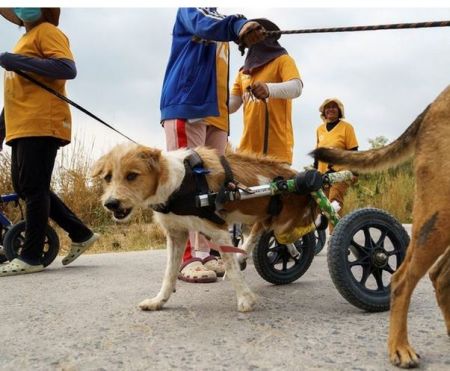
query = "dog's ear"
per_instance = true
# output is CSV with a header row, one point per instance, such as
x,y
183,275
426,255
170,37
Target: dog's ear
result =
x,y
151,156
98,167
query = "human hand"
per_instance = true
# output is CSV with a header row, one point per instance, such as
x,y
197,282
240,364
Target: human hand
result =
x,y
260,90
251,33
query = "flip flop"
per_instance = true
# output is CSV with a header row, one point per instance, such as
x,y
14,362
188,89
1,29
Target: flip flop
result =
x,y
78,248
194,271
17,266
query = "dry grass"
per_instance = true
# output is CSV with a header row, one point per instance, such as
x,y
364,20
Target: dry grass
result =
x,y
392,191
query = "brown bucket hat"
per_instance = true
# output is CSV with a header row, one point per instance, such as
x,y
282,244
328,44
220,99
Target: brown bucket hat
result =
x,y
50,15
268,26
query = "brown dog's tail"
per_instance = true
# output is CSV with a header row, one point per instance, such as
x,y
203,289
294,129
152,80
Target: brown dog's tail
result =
x,y
383,158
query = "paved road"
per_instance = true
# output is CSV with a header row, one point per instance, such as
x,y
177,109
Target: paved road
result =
x,y
84,317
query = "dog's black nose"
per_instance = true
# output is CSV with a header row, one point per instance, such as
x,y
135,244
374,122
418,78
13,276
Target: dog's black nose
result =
x,y
112,204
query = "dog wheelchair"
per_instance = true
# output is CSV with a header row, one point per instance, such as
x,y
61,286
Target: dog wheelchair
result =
x,y
12,235
366,248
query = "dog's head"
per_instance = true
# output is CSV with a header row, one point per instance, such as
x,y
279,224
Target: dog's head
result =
x,y
130,174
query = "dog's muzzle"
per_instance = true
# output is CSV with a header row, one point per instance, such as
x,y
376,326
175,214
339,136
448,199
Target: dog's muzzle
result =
x,y
113,204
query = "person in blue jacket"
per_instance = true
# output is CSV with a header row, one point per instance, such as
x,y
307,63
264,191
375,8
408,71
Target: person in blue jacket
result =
x,y
194,102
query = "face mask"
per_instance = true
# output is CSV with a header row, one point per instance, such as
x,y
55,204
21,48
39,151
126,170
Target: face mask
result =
x,y
28,14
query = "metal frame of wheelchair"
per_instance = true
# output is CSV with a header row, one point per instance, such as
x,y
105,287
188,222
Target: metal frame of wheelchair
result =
x,y
366,248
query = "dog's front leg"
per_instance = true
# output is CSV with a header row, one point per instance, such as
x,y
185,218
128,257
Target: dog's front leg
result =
x,y
176,241
246,299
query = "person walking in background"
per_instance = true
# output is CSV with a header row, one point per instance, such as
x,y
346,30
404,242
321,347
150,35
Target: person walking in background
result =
x,y
194,102
334,132
37,124
265,85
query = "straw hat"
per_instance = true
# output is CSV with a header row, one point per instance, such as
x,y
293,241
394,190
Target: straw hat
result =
x,y
50,15
327,101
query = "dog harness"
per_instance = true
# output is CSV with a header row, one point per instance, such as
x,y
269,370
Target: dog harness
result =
x,y
182,201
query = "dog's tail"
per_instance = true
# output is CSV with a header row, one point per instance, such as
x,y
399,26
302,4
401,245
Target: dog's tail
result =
x,y
382,158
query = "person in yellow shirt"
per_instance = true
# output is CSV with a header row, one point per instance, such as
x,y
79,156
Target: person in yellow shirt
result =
x,y
334,132
265,85
37,124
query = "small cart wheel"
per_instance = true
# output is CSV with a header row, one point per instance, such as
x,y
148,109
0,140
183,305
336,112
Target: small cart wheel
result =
x,y
320,236
279,265
366,248
15,237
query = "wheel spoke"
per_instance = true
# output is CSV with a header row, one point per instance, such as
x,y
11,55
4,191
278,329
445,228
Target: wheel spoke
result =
x,y
368,238
377,275
380,242
363,261
358,250
389,269
367,270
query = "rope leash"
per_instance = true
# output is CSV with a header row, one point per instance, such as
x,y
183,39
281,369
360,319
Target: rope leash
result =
x,y
67,100
395,26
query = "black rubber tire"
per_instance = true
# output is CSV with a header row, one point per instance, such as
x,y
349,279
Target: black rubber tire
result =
x,y
320,236
266,266
372,259
15,236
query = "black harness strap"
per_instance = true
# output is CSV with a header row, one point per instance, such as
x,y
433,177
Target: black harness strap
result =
x,y
182,201
221,197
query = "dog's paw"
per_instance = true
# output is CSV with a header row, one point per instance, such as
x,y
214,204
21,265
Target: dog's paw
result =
x,y
404,356
151,304
246,302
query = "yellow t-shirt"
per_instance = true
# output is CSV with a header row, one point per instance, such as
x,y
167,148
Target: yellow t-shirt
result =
x,y
342,136
281,137
31,111
221,121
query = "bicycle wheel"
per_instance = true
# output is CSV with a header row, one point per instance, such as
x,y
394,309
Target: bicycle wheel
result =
x,y
15,237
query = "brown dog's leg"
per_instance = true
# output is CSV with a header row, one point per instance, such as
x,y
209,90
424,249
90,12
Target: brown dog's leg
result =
x,y
425,247
176,242
440,276
251,242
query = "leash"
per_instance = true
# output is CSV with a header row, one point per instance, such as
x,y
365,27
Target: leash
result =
x,y
67,100
395,26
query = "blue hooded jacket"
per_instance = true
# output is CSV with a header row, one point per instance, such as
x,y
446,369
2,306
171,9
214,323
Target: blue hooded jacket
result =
x,y
189,88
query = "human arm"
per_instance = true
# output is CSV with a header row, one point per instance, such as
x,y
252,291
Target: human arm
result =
x,y
234,103
281,90
56,68
207,24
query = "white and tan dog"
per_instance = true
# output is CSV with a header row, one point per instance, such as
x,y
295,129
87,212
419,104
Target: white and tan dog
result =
x,y
135,176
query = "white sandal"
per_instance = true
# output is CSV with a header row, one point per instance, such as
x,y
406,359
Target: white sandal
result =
x,y
17,266
78,248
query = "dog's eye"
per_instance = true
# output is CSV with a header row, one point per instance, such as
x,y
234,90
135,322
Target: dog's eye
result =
x,y
107,178
132,176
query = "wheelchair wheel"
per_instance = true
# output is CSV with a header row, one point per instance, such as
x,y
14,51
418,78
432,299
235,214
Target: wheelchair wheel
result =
x,y
366,248
320,236
274,262
15,237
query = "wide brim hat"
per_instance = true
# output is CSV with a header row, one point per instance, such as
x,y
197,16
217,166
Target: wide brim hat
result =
x,y
268,26
327,101
50,15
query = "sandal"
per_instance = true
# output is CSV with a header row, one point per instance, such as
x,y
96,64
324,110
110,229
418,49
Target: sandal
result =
x,y
194,271
78,248
17,266
214,264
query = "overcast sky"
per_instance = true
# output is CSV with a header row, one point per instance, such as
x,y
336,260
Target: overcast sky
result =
x,y
384,78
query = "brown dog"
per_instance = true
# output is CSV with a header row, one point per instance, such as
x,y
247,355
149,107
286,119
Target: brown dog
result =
x,y
136,176
428,138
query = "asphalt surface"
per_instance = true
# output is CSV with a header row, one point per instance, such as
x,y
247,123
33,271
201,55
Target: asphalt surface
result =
x,y
85,317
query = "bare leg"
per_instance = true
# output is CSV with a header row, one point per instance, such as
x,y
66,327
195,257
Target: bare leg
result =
x,y
176,240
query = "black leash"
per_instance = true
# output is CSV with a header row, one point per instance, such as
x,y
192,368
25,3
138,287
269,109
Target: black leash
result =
x,y
65,99
395,26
